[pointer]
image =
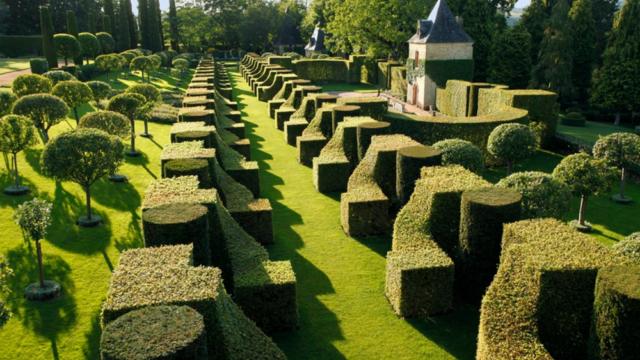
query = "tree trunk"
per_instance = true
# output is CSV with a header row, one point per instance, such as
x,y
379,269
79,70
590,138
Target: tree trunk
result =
x,y
617,119
146,126
87,191
583,208
75,114
40,267
15,169
509,167
45,136
133,136
623,179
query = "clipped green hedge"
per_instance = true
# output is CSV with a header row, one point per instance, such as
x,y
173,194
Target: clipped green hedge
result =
x,y
374,107
186,167
155,332
322,70
285,61
540,303
20,45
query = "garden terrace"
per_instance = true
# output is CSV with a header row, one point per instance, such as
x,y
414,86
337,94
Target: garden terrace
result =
x,y
283,94
300,119
269,91
159,276
293,103
366,207
264,289
269,80
540,302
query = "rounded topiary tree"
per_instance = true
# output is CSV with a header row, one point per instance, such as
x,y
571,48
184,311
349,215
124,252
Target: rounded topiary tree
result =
x,y
128,56
127,105
100,90
155,332
112,123
585,176
82,156
182,66
43,109
7,98
57,76
461,152
67,46
511,143
156,61
142,64
16,134
89,44
629,247
28,84
74,94
151,98
107,44
542,194
34,217
109,63
5,274
620,150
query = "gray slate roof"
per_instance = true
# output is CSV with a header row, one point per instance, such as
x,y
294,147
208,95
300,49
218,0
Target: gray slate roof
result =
x,y
316,43
440,27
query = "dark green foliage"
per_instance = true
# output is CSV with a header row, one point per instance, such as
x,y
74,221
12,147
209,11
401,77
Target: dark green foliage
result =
x,y
21,45
67,46
173,26
542,195
154,332
461,152
100,91
46,27
478,18
111,122
534,19
554,67
185,167
409,162
482,214
511,143
72,23
573,119
74,94
440,71
322,70
38,66
28,84
142,64
43,109
7,98
174,224
107,43
57,76
616,331
583,26
127,105
510,59
90,45
123,38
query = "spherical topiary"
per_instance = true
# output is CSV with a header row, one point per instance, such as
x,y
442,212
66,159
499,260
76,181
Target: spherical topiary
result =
x,y
16,134
155,332
629,247
28,84
43,109
187,167
67,46
111,122
511,143
108,62
616,310
38,66
621,150
58,75
7,98
149,92
127,105
142,64
74,94
156,61
107,44
542,195
89,44
461,152
180,64
573,119
100,91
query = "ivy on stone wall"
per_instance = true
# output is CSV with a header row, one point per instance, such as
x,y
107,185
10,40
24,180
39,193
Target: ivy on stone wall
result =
x,y
440,70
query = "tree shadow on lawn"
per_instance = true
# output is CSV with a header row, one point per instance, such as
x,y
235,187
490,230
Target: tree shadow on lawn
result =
x,y
33,159
11,200
118,196
47,319
91,346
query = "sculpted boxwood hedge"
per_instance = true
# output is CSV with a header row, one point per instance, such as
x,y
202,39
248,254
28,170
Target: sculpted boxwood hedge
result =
x,y
542,194
27,84
43,109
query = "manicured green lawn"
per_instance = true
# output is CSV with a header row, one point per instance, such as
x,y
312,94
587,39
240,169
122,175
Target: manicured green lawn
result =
x,y
590,132
9,65
80,259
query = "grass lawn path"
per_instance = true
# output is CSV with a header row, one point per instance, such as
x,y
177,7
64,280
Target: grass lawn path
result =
x,y
343,311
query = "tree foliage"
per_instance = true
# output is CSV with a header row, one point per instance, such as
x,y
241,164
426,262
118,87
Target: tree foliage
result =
x,y
583,26
34,218
43,109
461,152
585,175
74,94
58,75
16,133
7,98
67,46
107,43
100,91
111,122
27,84
89,44
142,64
511,143
510,61
542,194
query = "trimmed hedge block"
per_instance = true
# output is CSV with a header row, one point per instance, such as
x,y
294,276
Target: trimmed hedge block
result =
x,y
340,112
374,107
283,115
274,105
185,167
366,131
155,332
293,129
309,147
409,161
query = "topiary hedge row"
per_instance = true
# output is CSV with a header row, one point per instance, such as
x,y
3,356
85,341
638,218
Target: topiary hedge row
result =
x,y
322,70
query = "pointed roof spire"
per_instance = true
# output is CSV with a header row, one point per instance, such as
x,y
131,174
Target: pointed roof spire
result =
x,y
316,43
440,27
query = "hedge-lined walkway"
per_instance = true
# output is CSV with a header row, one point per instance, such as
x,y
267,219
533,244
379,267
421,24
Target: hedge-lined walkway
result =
x,y
343,312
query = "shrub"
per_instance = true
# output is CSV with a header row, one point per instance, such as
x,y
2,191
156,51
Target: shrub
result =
x,y
156,61
108,62
542,194
461,152
181,64
511,143
155,332
127,105
164,114
67,46
89,44
28,84
43,109
322,69
585,176
87,72
58,75
151,96
107,44
128,56
190,167
142,64
573,119
74,94
82,156
621,150
100,91
34,218
629,247
616,312
16,134
111,122
38,66
7,98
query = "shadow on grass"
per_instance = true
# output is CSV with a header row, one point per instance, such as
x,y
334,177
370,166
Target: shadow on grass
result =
x,y
14,201
47,319
91,347
118,196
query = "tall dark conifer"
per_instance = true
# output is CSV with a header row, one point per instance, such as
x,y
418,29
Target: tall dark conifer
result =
x,y
133,26
584,28
123,39
110,13
143,21
46,26
173,26
534,18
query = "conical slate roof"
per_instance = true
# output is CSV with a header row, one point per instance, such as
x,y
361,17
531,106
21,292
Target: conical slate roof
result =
x,y
316,43
440,27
